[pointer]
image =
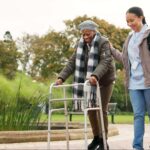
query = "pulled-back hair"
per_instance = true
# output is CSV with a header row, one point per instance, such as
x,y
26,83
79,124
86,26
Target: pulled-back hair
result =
x,y
138,12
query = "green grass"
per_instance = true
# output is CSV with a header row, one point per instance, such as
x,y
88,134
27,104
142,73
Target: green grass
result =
x,y
19,102
119,119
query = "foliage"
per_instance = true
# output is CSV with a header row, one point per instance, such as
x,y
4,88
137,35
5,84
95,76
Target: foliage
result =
x,y
120,94
9,57
48,53
21,103
23,100
22,114
24,46
8,37
43,56
115,35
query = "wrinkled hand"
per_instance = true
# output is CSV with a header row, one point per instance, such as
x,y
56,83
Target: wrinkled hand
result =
x,y
92,80
59,81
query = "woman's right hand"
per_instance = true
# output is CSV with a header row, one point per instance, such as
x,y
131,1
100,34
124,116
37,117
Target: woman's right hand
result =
x,y
111,46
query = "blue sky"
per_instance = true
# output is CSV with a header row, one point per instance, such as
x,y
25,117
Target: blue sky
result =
x,y
38,16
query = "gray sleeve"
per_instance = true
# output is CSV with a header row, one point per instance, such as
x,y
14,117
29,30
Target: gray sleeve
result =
x,y
116,54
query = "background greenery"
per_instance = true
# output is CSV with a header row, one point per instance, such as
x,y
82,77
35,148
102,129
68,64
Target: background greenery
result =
x,y
123,118
31,63
21,102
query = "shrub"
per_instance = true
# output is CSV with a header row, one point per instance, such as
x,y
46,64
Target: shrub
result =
x,y
21,103
120,94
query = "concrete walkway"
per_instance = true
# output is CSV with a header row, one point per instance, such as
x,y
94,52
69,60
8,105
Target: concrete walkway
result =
x,y
123,141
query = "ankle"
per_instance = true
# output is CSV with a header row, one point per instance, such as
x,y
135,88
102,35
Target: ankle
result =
x,y
96,137
101,139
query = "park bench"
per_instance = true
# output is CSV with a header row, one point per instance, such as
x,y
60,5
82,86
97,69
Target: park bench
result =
x,y
111,111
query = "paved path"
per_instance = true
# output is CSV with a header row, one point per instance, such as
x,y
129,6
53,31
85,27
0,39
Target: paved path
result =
x,y
123,141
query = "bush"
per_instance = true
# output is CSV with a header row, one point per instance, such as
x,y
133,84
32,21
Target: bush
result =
x,y
21,103
120,94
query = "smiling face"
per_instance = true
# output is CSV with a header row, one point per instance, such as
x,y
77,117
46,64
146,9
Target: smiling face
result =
x,y
88,35
134,22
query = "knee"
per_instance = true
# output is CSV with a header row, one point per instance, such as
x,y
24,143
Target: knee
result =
x,y
139,115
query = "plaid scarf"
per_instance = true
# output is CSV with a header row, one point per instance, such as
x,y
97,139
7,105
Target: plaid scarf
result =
x,y
83,72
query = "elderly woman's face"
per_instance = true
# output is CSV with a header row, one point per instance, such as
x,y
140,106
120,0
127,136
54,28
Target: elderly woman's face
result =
x,y
134,22
88,35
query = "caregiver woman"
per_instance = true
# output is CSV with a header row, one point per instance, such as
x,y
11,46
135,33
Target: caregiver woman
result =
x,y
136,59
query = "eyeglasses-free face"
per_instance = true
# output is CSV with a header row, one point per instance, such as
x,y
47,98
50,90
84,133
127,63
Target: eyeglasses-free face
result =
x,y
88,35
134,22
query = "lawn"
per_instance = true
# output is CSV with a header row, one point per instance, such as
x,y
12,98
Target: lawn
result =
x,y
119,119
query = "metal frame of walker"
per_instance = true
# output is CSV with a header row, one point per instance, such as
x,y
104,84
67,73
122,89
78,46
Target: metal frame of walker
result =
x,y
65,109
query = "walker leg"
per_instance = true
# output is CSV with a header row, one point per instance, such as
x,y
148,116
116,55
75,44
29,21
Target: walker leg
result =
x,y
49,130
67,128
85,128
103,130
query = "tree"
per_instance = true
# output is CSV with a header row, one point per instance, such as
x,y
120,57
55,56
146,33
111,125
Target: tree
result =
x,y
9,56
50,52
24,45
115,35
47,54
8,37
120,94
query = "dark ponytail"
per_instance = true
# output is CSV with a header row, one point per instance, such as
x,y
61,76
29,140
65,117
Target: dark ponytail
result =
x,y
144,20
138,12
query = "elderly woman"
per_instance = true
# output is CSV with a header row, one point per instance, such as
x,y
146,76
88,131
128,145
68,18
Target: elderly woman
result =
x,y
92,60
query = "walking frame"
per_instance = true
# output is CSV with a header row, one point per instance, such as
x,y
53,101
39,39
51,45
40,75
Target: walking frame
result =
x,y
85,110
